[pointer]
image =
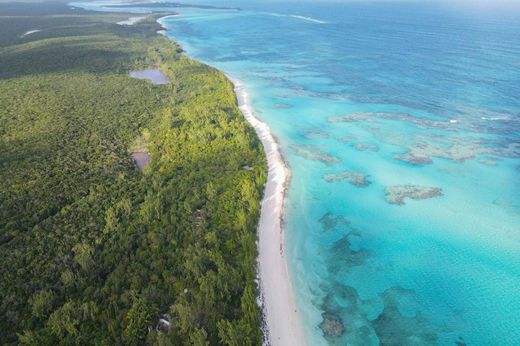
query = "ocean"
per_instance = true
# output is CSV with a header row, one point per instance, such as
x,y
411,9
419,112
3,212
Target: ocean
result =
x,y
401,125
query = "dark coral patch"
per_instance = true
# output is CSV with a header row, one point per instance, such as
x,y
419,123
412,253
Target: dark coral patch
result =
x,y
393,328
332,325
329,221
345,255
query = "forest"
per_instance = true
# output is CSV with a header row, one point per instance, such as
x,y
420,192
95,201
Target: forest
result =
x,y
94,250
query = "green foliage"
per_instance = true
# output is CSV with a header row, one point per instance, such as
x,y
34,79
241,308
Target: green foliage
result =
x,y
93,250
140,316
65,321
41,303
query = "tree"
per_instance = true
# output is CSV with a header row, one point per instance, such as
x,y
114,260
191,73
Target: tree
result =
x,y
41,303
65,320
138,319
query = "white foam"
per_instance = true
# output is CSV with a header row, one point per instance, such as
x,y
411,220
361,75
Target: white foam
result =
x,y
30,32
307,19
496,118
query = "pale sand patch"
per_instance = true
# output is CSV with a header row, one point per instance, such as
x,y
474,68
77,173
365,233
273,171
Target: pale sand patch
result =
x,y
131,20
279,309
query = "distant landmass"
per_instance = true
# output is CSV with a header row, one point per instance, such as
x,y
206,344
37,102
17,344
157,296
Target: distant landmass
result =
x,y
156,5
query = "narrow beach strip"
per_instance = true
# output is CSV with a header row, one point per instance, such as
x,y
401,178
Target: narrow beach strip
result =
x,y
279,308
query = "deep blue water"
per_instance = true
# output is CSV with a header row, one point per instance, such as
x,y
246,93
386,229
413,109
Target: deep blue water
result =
x,y
374,103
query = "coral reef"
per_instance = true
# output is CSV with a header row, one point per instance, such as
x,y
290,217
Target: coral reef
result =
x,y
315,133
354,178
347,139
283,106
366,146
393,328
398,193
312,153
342,250
332,326
329,221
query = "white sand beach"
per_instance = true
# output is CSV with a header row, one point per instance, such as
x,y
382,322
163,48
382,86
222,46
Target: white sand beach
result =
x,y
279,309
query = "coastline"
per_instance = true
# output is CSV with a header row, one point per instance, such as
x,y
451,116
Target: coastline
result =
x,y
211,94
280,315
281,324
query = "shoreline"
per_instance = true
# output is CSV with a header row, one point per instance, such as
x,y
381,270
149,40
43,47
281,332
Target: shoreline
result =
x,y
279,312
281,323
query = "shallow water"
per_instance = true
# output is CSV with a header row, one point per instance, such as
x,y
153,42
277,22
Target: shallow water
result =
x,y
153,75
401,124
141,159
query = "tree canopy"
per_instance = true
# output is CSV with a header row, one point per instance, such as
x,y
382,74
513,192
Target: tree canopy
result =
x,y
92,249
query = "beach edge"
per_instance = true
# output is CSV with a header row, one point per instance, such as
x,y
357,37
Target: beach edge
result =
x,y
281,322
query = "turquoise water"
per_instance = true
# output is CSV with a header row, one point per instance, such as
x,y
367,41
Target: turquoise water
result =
x,y
366,98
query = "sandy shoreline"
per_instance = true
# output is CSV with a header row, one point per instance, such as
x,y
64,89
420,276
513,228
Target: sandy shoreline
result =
x,y
279,309
282,324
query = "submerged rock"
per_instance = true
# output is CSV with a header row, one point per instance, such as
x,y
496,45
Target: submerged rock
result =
x,y
332,325
316,133
330,221
366,146
394,328
397,194
345,255
354,178
456,149
414,158
460,341
283,106
312,153
347,139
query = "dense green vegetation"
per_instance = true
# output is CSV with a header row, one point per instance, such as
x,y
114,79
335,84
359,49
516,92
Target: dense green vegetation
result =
x,y
93,250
